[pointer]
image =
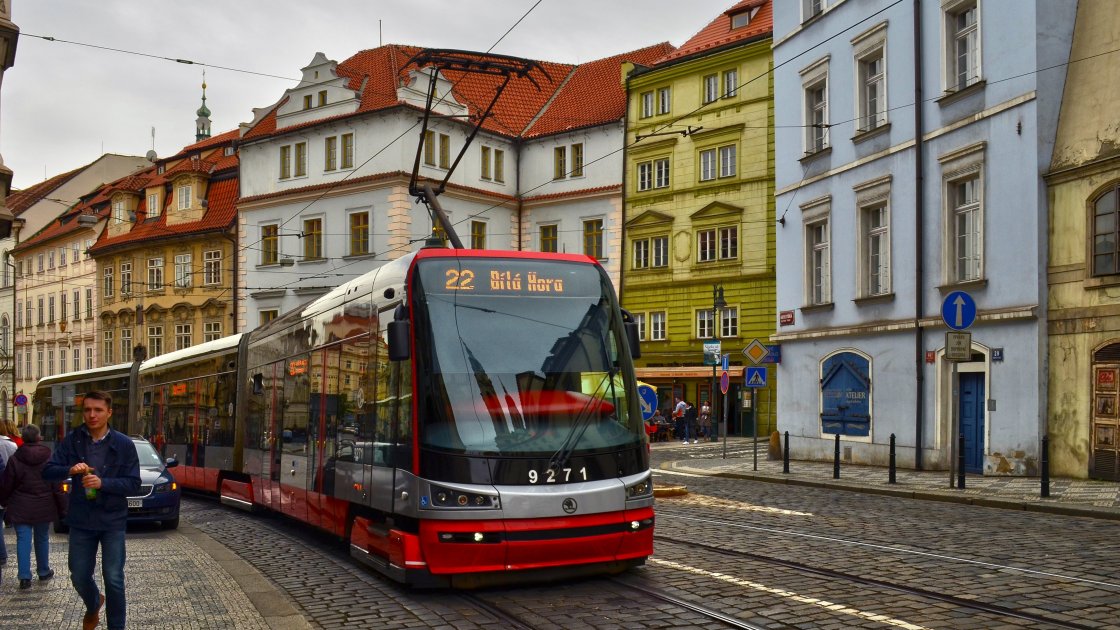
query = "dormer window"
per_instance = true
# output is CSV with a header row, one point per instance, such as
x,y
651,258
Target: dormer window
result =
x,y
118,212
153,205
184,195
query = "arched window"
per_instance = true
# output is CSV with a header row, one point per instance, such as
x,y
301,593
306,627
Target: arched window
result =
x,y
1106,232
4,330
846,394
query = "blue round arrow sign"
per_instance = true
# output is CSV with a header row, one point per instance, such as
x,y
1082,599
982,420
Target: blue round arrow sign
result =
x,y
958,310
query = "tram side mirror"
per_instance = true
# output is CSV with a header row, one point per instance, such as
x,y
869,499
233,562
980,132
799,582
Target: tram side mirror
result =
x,y
258,384
400,333
632,337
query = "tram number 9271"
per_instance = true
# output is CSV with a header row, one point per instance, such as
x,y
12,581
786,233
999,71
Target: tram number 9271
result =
x,y
563,475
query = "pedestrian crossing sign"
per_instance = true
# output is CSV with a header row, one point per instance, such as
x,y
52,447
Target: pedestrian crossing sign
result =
x,y
756,376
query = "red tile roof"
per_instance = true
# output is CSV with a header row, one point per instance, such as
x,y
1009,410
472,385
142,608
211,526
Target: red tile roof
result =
x,y
213,141
371,178
594,94
569,96
574,193
21,200
719,33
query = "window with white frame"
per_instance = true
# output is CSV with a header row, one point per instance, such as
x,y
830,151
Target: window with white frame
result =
x,y
641,253
285,161
76,302
705,245
499,166
118,212
645,175
478,235
963,195
559,162
727,161
664,100
873,215
183,336
814,84
27,362
89,357
155,341
42,311
730,83
89,303
62,306
640,321
348,150
50,260
711,88
661,173
359,234
707,165
77,358
871,77
659,246
153,205
212,267
577,160
61,260
818,255
729,243
107,353
330,153
484,158
211,331
647,105
50,309
811,9
39,363
50,362
657,326
126,278
126,343
550,238
182,271
19,314
183,194
962,43
155,274
728,322
107,286
705,324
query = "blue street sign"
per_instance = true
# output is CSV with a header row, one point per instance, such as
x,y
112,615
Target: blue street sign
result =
x,y
756,376
726,362
958,310
774,355
21,399
724,382
647,399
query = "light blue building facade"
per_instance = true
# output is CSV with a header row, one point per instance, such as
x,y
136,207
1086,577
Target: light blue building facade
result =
x,y
911,137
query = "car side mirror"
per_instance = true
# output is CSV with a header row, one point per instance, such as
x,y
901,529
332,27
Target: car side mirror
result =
x,y
171,462
258,384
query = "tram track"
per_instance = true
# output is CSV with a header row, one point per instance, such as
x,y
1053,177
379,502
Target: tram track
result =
x,y
661,595
500,614
831,574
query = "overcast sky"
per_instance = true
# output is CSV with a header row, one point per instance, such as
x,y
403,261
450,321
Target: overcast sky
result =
x,y
63,104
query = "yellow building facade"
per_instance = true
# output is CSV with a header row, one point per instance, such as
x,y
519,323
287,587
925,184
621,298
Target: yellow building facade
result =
x,y
699,211
1084,265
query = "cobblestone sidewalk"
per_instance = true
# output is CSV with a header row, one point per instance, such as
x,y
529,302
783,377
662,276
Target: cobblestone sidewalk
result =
x,y
173,579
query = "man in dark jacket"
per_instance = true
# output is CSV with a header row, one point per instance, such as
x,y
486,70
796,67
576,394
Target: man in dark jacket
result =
x,y
30,504
104,471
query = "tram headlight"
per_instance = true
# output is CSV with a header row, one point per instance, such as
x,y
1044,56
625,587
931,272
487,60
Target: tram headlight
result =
x,y
643,488
447,498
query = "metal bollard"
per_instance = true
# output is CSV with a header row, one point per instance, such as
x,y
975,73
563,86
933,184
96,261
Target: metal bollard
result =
x,y
836,459
785,455
890,471
1045,466
960,462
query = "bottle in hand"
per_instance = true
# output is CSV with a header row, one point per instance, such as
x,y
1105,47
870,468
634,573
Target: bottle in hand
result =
x,y
91,493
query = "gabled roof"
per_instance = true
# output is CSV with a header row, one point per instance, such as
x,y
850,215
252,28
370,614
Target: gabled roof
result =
x,y
220,215
718,33
21,200
568,97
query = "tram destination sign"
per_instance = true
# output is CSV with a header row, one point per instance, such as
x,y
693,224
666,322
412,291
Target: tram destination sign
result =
x,y
510,277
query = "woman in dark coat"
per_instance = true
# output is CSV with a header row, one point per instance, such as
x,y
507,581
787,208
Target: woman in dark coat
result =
x,y
30,505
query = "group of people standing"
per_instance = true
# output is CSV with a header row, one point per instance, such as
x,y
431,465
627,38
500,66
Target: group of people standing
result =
x,y
103,470
690,423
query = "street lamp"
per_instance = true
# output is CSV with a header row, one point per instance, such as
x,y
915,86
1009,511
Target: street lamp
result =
x,y
718,303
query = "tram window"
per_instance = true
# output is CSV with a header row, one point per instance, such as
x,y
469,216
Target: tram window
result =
x,y
295,405
258,384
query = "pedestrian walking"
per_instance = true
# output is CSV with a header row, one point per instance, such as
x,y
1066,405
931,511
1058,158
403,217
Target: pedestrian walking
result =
x,y
706,420
7,450
30,505
104,471
690,423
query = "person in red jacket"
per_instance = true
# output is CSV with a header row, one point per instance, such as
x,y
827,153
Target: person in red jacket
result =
x,y
30,505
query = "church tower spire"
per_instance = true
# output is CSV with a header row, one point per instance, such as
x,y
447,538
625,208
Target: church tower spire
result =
x,y
202,123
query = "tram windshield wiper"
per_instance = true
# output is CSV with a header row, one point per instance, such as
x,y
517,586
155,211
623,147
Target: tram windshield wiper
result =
x,y
560,458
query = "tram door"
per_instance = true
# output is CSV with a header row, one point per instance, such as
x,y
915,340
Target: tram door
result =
x,y
297,439
324,411
270,466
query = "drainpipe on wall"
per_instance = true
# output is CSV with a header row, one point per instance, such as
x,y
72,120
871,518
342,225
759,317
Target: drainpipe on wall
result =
x,y
919,237
520,199
622,203
233,238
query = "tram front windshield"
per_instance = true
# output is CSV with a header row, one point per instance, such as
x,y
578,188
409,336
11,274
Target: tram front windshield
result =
x,y
524,358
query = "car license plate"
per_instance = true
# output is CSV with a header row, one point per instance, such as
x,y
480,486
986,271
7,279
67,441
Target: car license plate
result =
x,y
135,503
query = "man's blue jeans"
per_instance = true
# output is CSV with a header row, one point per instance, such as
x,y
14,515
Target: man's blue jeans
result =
x,y
83,559
40,532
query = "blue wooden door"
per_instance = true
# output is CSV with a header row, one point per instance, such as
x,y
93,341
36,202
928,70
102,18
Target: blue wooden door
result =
x,y
972,421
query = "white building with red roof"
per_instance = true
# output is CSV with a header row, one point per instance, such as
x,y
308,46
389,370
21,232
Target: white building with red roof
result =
x,y
325,171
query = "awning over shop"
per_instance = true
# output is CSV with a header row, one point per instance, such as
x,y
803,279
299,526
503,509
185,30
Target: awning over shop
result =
x,y
663,373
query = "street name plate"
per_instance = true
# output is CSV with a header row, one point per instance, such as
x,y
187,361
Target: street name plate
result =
x,y
958,346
